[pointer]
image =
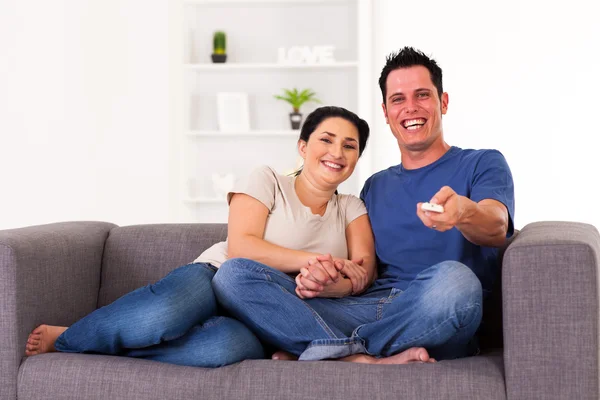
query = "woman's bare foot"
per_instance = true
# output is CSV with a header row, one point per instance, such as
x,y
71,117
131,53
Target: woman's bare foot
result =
x,y
283,355
41,339
412,355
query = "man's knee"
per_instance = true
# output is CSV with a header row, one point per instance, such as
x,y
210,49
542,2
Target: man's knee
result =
x,y
456,290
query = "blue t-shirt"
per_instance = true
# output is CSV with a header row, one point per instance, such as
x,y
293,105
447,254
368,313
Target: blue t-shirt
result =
x,y
405,246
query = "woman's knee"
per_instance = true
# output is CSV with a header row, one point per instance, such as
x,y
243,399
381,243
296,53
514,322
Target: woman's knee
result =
x,y
222,341
184,296
234,273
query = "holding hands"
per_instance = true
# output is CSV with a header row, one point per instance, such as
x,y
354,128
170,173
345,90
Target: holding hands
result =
x,y
324,277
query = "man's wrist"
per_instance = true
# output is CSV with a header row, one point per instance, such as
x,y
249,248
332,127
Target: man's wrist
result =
x,y
467,212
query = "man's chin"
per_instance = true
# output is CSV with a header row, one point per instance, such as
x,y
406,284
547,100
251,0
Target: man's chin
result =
x,y
420,146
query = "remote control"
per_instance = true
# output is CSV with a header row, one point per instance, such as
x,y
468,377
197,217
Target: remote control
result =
x,y
432,207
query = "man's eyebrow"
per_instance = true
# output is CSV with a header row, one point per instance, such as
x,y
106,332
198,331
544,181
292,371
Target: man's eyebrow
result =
x,y
351,139
419,90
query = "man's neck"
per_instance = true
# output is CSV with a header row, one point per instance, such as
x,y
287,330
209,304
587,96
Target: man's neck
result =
x,y
422,158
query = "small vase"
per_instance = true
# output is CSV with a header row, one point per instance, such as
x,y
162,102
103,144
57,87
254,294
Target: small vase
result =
x,y
219,58
295,120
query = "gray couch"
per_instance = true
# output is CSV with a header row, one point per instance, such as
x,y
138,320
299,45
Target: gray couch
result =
x,y
545,325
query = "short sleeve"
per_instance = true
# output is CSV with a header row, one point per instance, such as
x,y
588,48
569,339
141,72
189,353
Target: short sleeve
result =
x,y
260,184
354,208
493,180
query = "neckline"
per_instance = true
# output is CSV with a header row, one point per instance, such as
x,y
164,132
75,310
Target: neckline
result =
x,y
451,151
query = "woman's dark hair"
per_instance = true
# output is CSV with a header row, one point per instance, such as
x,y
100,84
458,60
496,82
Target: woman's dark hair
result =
x,y
319,115
315,118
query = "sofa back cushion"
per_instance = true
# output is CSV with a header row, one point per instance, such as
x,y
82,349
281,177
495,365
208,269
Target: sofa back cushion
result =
x,y
135,256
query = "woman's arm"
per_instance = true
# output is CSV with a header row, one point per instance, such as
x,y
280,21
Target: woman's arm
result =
x,y
246,229
361,245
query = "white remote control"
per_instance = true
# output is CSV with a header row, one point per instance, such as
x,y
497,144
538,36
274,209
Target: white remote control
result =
x,y
432,207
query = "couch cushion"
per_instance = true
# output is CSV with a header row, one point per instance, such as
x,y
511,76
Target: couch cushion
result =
x,y
137,255
77,376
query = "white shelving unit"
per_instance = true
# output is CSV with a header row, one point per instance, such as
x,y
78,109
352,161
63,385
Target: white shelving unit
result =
x,y
255,133
263,66
255,30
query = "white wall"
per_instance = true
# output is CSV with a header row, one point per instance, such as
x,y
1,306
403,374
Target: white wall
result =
x,y
86,95
84,117
523,77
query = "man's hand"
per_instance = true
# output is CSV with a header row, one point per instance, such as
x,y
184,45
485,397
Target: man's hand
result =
x,y
354,271
484,223
454,208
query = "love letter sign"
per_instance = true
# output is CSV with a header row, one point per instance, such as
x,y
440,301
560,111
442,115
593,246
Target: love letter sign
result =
x,y
306,55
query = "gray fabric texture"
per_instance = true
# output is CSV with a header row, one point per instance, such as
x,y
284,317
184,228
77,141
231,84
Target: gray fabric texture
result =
x,y
551,312
78,376
48,274
138,255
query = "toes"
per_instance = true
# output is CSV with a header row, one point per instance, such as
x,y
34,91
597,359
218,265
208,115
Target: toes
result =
x,y
38,330
421,354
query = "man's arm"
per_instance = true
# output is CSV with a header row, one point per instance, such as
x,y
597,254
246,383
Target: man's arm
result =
x,y
485,223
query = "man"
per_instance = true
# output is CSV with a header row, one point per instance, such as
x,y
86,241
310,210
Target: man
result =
x,y
426,302
474,187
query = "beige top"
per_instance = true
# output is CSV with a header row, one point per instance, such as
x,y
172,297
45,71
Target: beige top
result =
x,y
291,224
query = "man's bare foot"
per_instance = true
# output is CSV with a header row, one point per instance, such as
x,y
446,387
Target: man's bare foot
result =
x,y
283,355
41,339
412,355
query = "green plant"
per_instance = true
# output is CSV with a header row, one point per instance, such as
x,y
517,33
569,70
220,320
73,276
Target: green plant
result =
x,y
219,43
296,98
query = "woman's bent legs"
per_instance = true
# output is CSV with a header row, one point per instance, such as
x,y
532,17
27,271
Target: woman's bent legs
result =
x,y
163,311
217,342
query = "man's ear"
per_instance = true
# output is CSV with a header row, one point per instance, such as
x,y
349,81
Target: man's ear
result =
x,y
302,148
445,100
387,121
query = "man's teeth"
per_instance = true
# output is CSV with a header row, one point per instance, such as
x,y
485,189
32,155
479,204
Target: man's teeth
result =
x,y
332,165
414,123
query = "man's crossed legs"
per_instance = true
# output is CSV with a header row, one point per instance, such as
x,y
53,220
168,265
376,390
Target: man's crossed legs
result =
x,y
440,311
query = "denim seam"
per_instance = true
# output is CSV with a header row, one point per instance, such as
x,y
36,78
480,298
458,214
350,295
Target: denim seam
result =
x,y
386,300
386,348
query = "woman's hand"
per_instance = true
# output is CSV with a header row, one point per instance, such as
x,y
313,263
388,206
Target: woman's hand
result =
x,y
354,271
314,278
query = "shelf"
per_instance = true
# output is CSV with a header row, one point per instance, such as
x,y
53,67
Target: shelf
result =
x,y
258,66
205,200
282,133
219,2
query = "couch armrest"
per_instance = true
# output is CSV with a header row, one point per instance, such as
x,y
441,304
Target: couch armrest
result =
x,y
48,274
551,312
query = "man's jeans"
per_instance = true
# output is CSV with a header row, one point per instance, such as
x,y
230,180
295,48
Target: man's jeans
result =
x,y
174,320
440,310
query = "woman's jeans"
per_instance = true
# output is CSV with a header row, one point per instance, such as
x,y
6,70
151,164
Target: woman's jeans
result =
x,y
440,310
174,320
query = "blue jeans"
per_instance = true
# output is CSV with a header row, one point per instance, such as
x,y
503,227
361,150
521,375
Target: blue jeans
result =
x,y
440,310
174,320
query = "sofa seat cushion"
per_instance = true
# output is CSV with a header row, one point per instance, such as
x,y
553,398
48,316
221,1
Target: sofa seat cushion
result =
x,y
86,376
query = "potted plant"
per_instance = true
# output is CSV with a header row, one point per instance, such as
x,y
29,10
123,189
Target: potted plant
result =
x,y
219,54
296,99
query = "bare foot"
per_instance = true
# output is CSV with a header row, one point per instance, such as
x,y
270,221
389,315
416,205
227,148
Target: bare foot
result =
x,y
283,355
41,339
412,355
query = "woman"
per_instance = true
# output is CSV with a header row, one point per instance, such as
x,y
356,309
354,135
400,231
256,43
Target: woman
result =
x,y
300,226
306,227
